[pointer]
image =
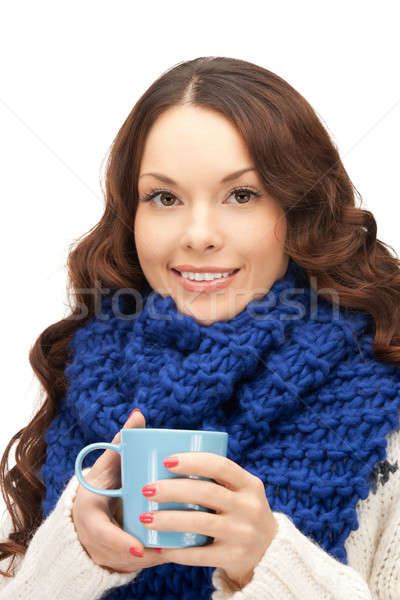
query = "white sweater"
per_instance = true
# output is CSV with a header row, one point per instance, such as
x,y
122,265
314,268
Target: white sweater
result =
x,y
56,566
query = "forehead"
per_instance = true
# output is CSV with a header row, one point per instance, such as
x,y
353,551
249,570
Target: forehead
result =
x,y
187,134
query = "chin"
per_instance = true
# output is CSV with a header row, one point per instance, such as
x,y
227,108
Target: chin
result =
x,y
207,316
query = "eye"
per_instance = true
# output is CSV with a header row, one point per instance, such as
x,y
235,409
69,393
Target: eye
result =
x,y
243,195
166,198
162,197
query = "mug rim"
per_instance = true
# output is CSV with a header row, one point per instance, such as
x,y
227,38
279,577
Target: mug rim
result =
x,y
177,431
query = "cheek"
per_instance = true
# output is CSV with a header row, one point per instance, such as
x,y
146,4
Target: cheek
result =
x,y
266,251
148,238
265,238
155,245
148,254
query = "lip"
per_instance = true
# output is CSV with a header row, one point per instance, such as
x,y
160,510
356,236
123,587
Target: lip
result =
x,y
192,269
204,286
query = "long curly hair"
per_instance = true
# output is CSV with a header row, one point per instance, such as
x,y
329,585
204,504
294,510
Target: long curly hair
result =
x,y
328,234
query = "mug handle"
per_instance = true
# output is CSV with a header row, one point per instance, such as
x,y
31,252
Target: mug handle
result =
x,y
78,468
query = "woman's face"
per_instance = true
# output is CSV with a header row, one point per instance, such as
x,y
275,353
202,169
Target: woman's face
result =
x,y
207,234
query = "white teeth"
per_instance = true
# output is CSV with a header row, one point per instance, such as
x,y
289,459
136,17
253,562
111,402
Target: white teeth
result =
x,y
204,276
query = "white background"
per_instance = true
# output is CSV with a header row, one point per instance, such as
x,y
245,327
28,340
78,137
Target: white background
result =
x,y
70,72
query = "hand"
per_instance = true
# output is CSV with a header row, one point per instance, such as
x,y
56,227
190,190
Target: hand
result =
x,y
96,517
243,525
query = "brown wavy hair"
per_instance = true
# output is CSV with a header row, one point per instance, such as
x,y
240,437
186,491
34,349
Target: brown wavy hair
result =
x,y
328,234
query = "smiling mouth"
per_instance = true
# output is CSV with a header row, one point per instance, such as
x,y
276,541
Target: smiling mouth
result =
x,y
200,282
195,276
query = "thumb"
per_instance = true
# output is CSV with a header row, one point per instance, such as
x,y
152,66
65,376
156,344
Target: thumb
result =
x,y
135,421
111,460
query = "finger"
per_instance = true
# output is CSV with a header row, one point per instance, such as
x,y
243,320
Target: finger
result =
x,y
109,460
186,521
121,551
109,538
212,466
191,491
197,556
135,421
110,546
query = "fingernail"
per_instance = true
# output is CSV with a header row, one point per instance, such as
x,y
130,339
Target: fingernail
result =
x,y
146,517
149,490
158,550
171,462
136,552
135,410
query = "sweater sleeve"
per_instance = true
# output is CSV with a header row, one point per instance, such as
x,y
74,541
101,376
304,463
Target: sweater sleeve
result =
x,y
56,565
295,568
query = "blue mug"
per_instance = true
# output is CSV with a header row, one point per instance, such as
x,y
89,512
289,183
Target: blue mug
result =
x,y
142,453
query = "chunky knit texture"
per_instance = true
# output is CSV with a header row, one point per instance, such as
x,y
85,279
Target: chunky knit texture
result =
x,y
292,380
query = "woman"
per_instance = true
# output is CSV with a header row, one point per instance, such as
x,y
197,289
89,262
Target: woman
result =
x,y
232,283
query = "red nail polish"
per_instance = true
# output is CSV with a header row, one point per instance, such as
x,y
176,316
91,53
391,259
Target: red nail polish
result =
x,y
135,410
171,462
136,552
158,550
149,490
146,517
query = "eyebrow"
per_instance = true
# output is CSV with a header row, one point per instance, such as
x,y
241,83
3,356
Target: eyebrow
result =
x,y
165,179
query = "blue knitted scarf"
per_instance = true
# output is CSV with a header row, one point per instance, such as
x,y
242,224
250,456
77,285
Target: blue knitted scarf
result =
x,y
291,378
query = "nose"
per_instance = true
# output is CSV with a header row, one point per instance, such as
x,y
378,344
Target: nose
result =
x,y
202,230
